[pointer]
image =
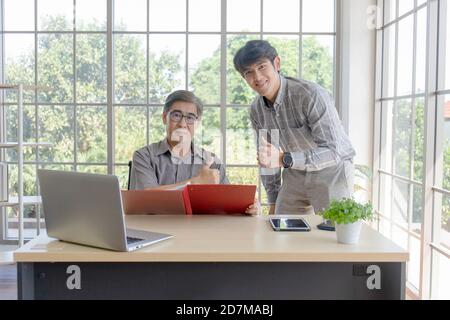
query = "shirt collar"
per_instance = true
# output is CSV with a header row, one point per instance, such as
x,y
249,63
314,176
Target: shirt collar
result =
x,y
280,95
163,147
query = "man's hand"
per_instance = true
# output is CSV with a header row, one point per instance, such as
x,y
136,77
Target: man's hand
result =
x,y
272,209
254,209
207,175
269,156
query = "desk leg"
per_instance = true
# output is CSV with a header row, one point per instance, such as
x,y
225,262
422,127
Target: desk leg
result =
x,y
25,281
209,280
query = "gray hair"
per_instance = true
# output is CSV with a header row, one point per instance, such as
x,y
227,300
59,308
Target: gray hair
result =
x,y
186,96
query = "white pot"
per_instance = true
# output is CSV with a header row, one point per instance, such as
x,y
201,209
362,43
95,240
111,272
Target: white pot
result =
x,y
348,233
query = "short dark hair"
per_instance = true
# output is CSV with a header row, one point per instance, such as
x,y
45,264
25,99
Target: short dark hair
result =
x,y
252,52
186,96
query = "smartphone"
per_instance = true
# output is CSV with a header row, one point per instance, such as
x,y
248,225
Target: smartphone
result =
x,y
327,225
289,224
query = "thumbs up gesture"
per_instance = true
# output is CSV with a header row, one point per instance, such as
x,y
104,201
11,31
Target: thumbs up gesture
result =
x,y
269,156
206,175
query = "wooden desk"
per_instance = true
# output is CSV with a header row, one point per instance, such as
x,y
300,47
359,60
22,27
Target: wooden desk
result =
x,y
216,257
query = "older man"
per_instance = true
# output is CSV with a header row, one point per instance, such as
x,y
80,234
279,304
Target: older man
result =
x,y
176,161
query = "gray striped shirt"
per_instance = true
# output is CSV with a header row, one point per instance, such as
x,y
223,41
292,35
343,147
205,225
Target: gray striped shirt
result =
x,y
154,166
304,118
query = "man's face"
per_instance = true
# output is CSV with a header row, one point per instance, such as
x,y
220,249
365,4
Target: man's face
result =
x,y
263,77
177,122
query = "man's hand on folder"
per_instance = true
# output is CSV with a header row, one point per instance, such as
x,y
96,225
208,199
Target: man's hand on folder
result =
x,y
206,175
254,209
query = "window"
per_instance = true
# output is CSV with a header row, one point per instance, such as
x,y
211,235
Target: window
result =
x,y
407,104
100,111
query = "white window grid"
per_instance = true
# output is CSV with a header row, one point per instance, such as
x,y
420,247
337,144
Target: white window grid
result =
x,y
433,98
110,104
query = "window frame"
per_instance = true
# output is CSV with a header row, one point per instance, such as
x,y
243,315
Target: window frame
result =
x,y
433,99
223,105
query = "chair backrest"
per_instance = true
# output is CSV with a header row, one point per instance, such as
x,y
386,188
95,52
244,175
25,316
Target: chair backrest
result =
x,y
130,164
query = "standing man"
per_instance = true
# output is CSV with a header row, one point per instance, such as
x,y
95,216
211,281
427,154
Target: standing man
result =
x,y
299,130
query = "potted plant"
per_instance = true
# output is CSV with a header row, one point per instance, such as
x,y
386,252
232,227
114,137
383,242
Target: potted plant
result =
x,y
348,214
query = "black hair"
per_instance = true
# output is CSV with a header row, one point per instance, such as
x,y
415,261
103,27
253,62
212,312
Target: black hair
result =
x,y
252,52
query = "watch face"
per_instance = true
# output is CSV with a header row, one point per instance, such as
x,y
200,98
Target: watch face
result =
x,y
287,160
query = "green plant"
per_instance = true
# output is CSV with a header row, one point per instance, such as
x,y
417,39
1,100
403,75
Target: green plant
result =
x,y
347,211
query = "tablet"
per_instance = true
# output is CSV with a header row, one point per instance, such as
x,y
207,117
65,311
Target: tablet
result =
x,y
289,224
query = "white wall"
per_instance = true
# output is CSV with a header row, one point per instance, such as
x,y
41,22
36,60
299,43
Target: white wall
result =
x,y
358,76
358,57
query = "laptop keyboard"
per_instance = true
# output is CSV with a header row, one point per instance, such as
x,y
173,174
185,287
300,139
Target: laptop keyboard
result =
x,y
131,240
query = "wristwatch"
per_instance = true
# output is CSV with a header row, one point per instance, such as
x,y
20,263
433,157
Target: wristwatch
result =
x,y
287,160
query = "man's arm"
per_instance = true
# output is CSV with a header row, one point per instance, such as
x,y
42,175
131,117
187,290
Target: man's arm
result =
x,y
271,179
327,133
171,186
206,175
144,176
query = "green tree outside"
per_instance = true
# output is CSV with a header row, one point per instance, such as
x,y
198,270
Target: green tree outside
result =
x,y
57,124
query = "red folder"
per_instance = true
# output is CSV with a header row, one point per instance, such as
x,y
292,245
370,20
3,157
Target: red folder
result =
x,y
153,202
218,198
192,199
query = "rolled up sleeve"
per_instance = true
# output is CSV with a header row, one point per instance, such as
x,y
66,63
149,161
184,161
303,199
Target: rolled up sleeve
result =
x,y
324,123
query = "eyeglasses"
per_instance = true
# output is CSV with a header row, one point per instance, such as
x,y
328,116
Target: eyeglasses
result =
x,y
177,116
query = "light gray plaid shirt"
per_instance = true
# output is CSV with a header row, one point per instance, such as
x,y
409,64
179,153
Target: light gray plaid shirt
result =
x,y
308,125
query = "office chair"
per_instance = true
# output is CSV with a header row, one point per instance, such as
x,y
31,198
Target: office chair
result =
x,y
130,164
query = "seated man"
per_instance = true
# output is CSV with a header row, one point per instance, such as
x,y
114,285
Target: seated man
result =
x,y
175,161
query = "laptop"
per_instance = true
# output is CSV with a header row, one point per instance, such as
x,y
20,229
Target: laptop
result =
x,y
87,209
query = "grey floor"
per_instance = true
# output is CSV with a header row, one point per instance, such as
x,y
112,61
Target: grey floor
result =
x,y
8,282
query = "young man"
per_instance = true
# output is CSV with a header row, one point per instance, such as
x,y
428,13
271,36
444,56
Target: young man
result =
x,y
176,161
298,129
